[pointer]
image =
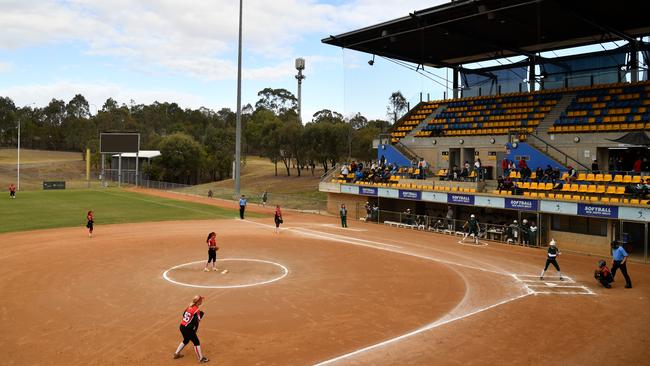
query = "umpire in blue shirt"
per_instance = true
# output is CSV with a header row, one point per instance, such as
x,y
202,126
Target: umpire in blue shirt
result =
x,y
619,255
242,206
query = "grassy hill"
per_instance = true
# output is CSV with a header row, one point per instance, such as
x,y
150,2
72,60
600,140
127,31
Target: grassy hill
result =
x,y
258,175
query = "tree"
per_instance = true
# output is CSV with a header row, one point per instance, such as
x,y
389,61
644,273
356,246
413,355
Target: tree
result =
x,y
291,134
396,106
8,120
78,107
181,158
278,101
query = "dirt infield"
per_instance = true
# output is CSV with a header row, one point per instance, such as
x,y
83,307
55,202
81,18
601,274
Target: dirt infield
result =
x,y
367,295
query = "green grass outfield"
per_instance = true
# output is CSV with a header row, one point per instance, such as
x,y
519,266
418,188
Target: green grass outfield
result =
x,y
33,210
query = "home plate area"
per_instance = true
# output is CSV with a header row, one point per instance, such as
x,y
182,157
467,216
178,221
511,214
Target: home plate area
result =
x,y
553,285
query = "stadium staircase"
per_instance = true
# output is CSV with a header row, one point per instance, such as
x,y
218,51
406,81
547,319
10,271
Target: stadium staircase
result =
x,y
426,121
552,152
555,113
408,153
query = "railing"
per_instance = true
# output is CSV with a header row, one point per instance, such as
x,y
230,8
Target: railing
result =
x,y
547,146
406,151
508,234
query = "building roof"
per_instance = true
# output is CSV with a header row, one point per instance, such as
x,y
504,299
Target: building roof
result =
x,y
467,31
146,154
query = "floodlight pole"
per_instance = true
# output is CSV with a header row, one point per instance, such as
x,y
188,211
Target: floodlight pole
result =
x,y
238,123
300,65
18,160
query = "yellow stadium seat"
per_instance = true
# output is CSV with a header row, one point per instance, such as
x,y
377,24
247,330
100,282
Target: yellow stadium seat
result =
x,y
591,177
565,176
636,179
627,179
583,188
533,185
607,177
618,178
620,190
593,199
551,195
598,178
613,200
566,187
582,176
576,197
525,185
634,201
604,199
574,188
533,175
527,193
533,194
591,188
600,189
541,195
611,190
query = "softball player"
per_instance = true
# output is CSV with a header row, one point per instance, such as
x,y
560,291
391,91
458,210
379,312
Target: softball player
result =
x,y
551,258
278,219
90,223
474,228
189,326
212,251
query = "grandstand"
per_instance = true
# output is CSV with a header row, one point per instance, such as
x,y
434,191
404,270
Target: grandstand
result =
x,y
569,129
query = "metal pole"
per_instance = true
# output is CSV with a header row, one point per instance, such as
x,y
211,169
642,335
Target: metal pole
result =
x,y
103,172
119,170
18,161
238,126
137,157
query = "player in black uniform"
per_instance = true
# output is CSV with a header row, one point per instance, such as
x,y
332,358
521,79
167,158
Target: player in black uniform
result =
x,y
551,258
473,229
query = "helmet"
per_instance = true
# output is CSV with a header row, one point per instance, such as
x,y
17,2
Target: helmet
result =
x,y
552,243
601,263
515,221
472,216
524,221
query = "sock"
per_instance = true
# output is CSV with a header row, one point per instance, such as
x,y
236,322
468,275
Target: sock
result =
x,y
560,274
197,350
180,348
542,274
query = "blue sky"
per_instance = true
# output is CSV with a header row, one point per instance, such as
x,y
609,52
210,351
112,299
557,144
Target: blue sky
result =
x,y
186,52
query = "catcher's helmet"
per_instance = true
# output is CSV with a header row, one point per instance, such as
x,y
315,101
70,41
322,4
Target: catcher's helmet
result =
x,y
472,216
601,263
552,242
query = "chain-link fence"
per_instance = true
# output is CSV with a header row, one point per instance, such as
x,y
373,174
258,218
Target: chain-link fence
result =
x,y
518,234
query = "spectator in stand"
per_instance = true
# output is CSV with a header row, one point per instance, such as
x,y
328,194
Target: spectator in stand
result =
x,y
639,190
505,167
422,165
508,185
500,184
512,167
353,166
594,167
636,168
382,161
556,175
358,176
522,164
345,170
548,174
525,173
478,169
573,175
465,172
539,174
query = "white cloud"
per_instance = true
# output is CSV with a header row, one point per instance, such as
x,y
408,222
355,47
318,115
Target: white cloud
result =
x,y
41,94
198,39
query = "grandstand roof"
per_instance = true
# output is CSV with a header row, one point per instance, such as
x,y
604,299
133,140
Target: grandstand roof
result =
x,y
467,31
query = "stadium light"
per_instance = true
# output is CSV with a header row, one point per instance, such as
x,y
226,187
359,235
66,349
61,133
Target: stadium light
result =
x,y
300,65
372,62
237,162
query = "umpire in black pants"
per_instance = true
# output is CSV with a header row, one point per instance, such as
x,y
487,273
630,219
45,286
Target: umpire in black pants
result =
x,y
619,256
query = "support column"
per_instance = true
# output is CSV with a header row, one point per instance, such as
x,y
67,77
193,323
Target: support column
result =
x,y
532,61
634,62
455,82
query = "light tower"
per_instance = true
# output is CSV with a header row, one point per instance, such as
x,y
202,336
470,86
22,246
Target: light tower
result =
x,y
300,65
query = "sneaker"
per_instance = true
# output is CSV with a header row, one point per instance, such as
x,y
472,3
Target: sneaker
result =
x,y
214,269
204,360
177,356
561,279
206,269
541,278
628,286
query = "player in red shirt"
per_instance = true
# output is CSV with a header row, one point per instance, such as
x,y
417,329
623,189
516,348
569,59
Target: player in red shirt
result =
x,y
12,191
212,251
189,326
278,219
90,224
